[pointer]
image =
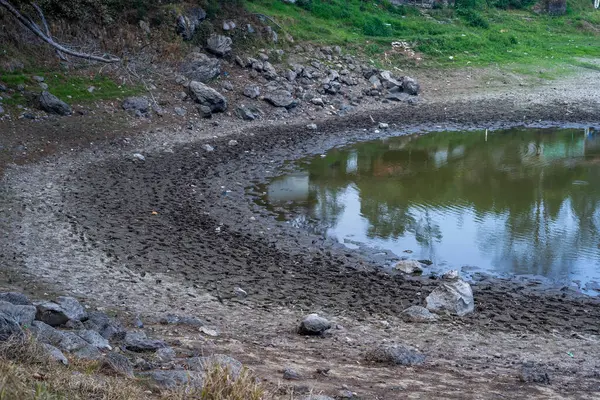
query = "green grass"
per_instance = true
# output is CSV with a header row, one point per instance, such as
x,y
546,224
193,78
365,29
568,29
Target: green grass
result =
x,y
67,87
444,37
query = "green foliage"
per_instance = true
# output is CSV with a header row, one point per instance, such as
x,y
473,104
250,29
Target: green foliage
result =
x,y
376,27
473,18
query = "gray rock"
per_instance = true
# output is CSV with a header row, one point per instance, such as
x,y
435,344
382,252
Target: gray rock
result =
x,y
419,314
232,142
38,79
3,88
175,378
398,96
317,101
139,156
252,91
55,354
290,75
248,113
229,25
395,354
173,319
88,353
410,86
207,96
23,315
291,374
107,327
219,45
204,111
208,147
9,327
375,82
227,85
201,364
59,312
316,397
455,297
533,373
70,341
94,339
200,67
313,324
408,266
44,86
242,62
15,298
389,80
180,111
188,24
139,342
166,354
117,364
44,333
281,98
250,28
269,71
136,104
1,110
52,104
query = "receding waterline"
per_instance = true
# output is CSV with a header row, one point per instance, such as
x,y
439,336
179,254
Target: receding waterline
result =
x,y
518,201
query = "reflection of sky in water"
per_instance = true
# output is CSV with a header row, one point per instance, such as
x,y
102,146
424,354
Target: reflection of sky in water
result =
x,y
518,202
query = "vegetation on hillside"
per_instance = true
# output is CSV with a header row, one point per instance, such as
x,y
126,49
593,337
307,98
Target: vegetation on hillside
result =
x,y
471,32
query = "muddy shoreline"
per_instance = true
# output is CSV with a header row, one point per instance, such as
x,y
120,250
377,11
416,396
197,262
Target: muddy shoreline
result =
x,y
179,231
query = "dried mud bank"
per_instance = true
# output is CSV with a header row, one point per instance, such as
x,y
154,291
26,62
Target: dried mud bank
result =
x,y
177,231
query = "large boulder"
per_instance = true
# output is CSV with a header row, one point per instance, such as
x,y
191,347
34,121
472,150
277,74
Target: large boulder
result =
x,y
248,113
201,364
313,324
454,297
388,80
200,67
23,315
52,104
281,98
207,96
58,313
94,339
15,298
117,364
172,379
219,45
252,91
395,354
188,23
9,327
107,327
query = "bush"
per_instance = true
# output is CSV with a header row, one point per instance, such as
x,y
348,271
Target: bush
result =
x,y
376,27
473,18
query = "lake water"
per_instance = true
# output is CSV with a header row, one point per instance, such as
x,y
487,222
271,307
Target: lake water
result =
x,y
519,201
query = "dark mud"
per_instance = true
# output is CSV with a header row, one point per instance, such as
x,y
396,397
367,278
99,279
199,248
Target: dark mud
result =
x,y
187,213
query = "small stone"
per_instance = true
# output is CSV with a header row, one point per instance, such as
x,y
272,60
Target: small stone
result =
x,y
291,375
451,275
395,354
312,127
176,378
91,89
241,293
317,101
107,327
180,111
88,353
219,45
232,143
313,324
38,78
43,86
137,104
408,266
138,156
139,342
52,104
383,125
227,85
94,339
419,314
208,147
202,364
533,373
252,91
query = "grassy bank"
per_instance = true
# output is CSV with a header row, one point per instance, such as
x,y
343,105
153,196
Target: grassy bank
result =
x,y
476,35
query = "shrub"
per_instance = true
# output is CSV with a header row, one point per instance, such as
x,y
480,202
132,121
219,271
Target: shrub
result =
x,y
473,18
376,27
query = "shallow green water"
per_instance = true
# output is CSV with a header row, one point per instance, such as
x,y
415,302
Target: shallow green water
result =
x,y
516,201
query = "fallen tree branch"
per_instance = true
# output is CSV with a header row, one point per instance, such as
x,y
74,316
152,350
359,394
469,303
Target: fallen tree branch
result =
x,y
33,27
47,29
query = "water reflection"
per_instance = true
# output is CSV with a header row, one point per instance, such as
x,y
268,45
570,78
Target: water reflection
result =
x,y
518,201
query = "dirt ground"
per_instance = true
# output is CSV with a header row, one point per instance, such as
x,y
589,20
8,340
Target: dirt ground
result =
x,y
176,232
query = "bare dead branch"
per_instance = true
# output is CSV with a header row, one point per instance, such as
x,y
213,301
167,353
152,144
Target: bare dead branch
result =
x,y
33,27
47,29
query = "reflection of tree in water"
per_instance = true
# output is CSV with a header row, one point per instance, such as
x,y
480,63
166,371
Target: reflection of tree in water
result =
x,y
522,178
